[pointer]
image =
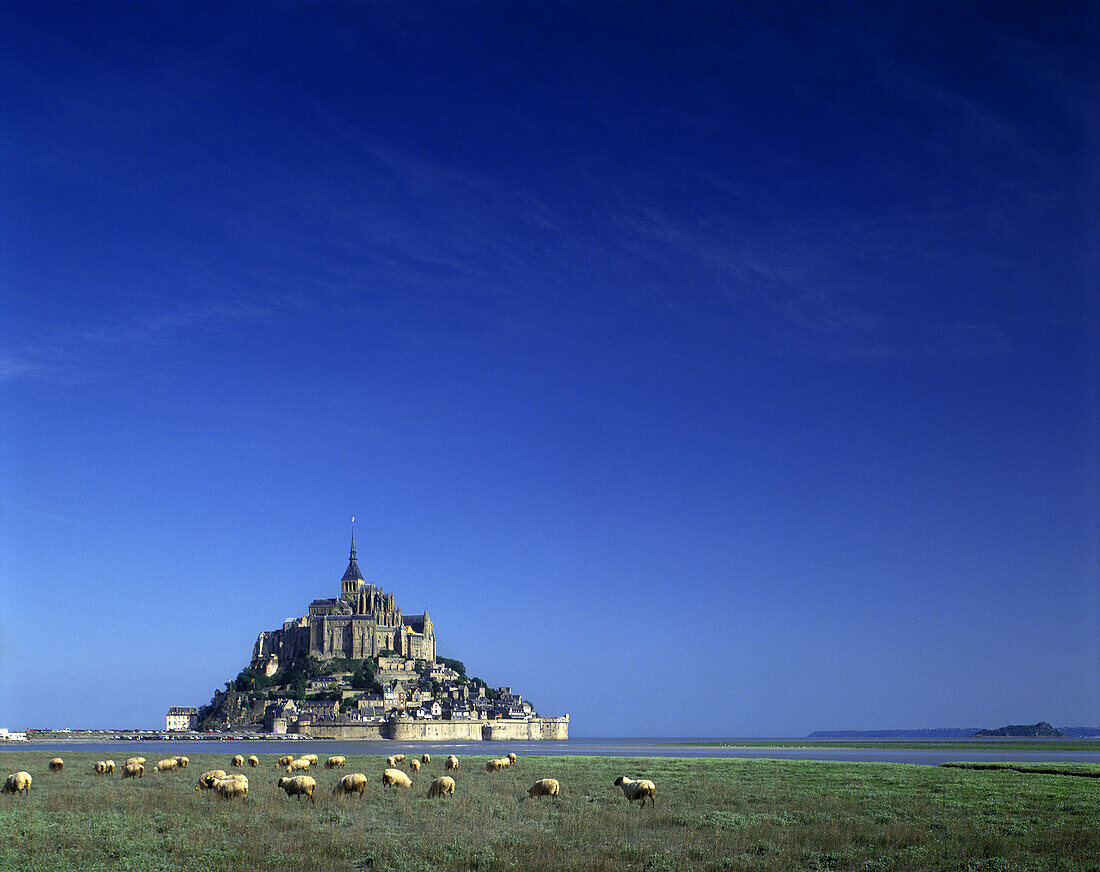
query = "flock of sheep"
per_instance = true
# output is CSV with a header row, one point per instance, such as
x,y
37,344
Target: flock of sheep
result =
x,y
235,785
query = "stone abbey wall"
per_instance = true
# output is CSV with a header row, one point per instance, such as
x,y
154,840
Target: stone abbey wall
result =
x,y
409,730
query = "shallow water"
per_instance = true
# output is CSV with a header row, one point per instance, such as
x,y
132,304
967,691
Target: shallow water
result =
x,y
581,747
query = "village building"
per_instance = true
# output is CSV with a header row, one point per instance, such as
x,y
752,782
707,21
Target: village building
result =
x,y
181,717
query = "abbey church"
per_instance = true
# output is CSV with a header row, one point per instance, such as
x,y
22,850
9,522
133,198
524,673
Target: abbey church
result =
x,y
363,622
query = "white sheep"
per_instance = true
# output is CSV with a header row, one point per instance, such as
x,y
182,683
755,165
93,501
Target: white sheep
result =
x,y
511,759
140,760
395,778
232,787
237,761
285,761
391,762
426,758
299,765
334,762
544,787
207,779
56,764
356,782
640,789
496,765
414,765
133,770
184,762
451,763
253,760
110,764
312,758
18,782
169,765
299,786
101,767
442,786
400,758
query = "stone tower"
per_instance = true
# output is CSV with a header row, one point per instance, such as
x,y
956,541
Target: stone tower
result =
x,y
353,578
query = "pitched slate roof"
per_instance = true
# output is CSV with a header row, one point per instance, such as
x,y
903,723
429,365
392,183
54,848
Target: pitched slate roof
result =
x,y
353,573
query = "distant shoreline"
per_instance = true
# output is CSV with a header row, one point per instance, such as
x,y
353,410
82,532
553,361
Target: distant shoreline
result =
x,y
984,743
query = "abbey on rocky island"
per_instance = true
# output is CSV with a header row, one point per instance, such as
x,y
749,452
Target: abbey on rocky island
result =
x,y
362,622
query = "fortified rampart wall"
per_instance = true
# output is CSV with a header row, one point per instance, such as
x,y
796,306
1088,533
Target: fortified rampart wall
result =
x,y
365,732
409,730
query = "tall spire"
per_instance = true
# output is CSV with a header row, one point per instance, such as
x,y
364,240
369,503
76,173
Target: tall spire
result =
x,y
353,573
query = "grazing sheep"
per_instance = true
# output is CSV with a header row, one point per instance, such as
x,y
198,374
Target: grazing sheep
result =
x,y
18,782
511,759
207,779
354,783
334,762
391,762
495,765
183,762
133,770
395,778
140,760
285,760
299,786
451,763
56,764
427,758
253,760
170,765
232,787
299,765
414,765
633,790
237,761
312,758
110,766
400,758
544,787
101,767
442,786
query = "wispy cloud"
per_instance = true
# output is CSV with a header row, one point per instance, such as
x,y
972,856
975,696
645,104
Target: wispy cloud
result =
x,y
81,351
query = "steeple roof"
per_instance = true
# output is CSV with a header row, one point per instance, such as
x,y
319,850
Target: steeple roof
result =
x,y
353,573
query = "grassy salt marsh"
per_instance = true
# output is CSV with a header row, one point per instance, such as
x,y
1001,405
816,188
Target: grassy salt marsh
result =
x,y
710,814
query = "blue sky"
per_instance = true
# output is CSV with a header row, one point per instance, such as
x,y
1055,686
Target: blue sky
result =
x,y
702,369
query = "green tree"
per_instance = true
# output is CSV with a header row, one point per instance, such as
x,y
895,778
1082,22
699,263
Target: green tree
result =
x,y
249,680
363,677
457,665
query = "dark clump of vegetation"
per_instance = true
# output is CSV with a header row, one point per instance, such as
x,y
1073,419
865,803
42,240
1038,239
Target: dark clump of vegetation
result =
x,y
362,677
711,814
457,665
1084,770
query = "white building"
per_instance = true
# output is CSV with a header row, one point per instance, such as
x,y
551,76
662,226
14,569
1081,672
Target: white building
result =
x,y
181,717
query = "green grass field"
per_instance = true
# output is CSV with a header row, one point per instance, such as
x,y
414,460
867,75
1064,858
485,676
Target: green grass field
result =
x,y
710,814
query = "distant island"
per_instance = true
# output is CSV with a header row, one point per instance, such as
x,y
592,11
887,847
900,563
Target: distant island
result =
x,y
1021,731
1039,730
357,667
